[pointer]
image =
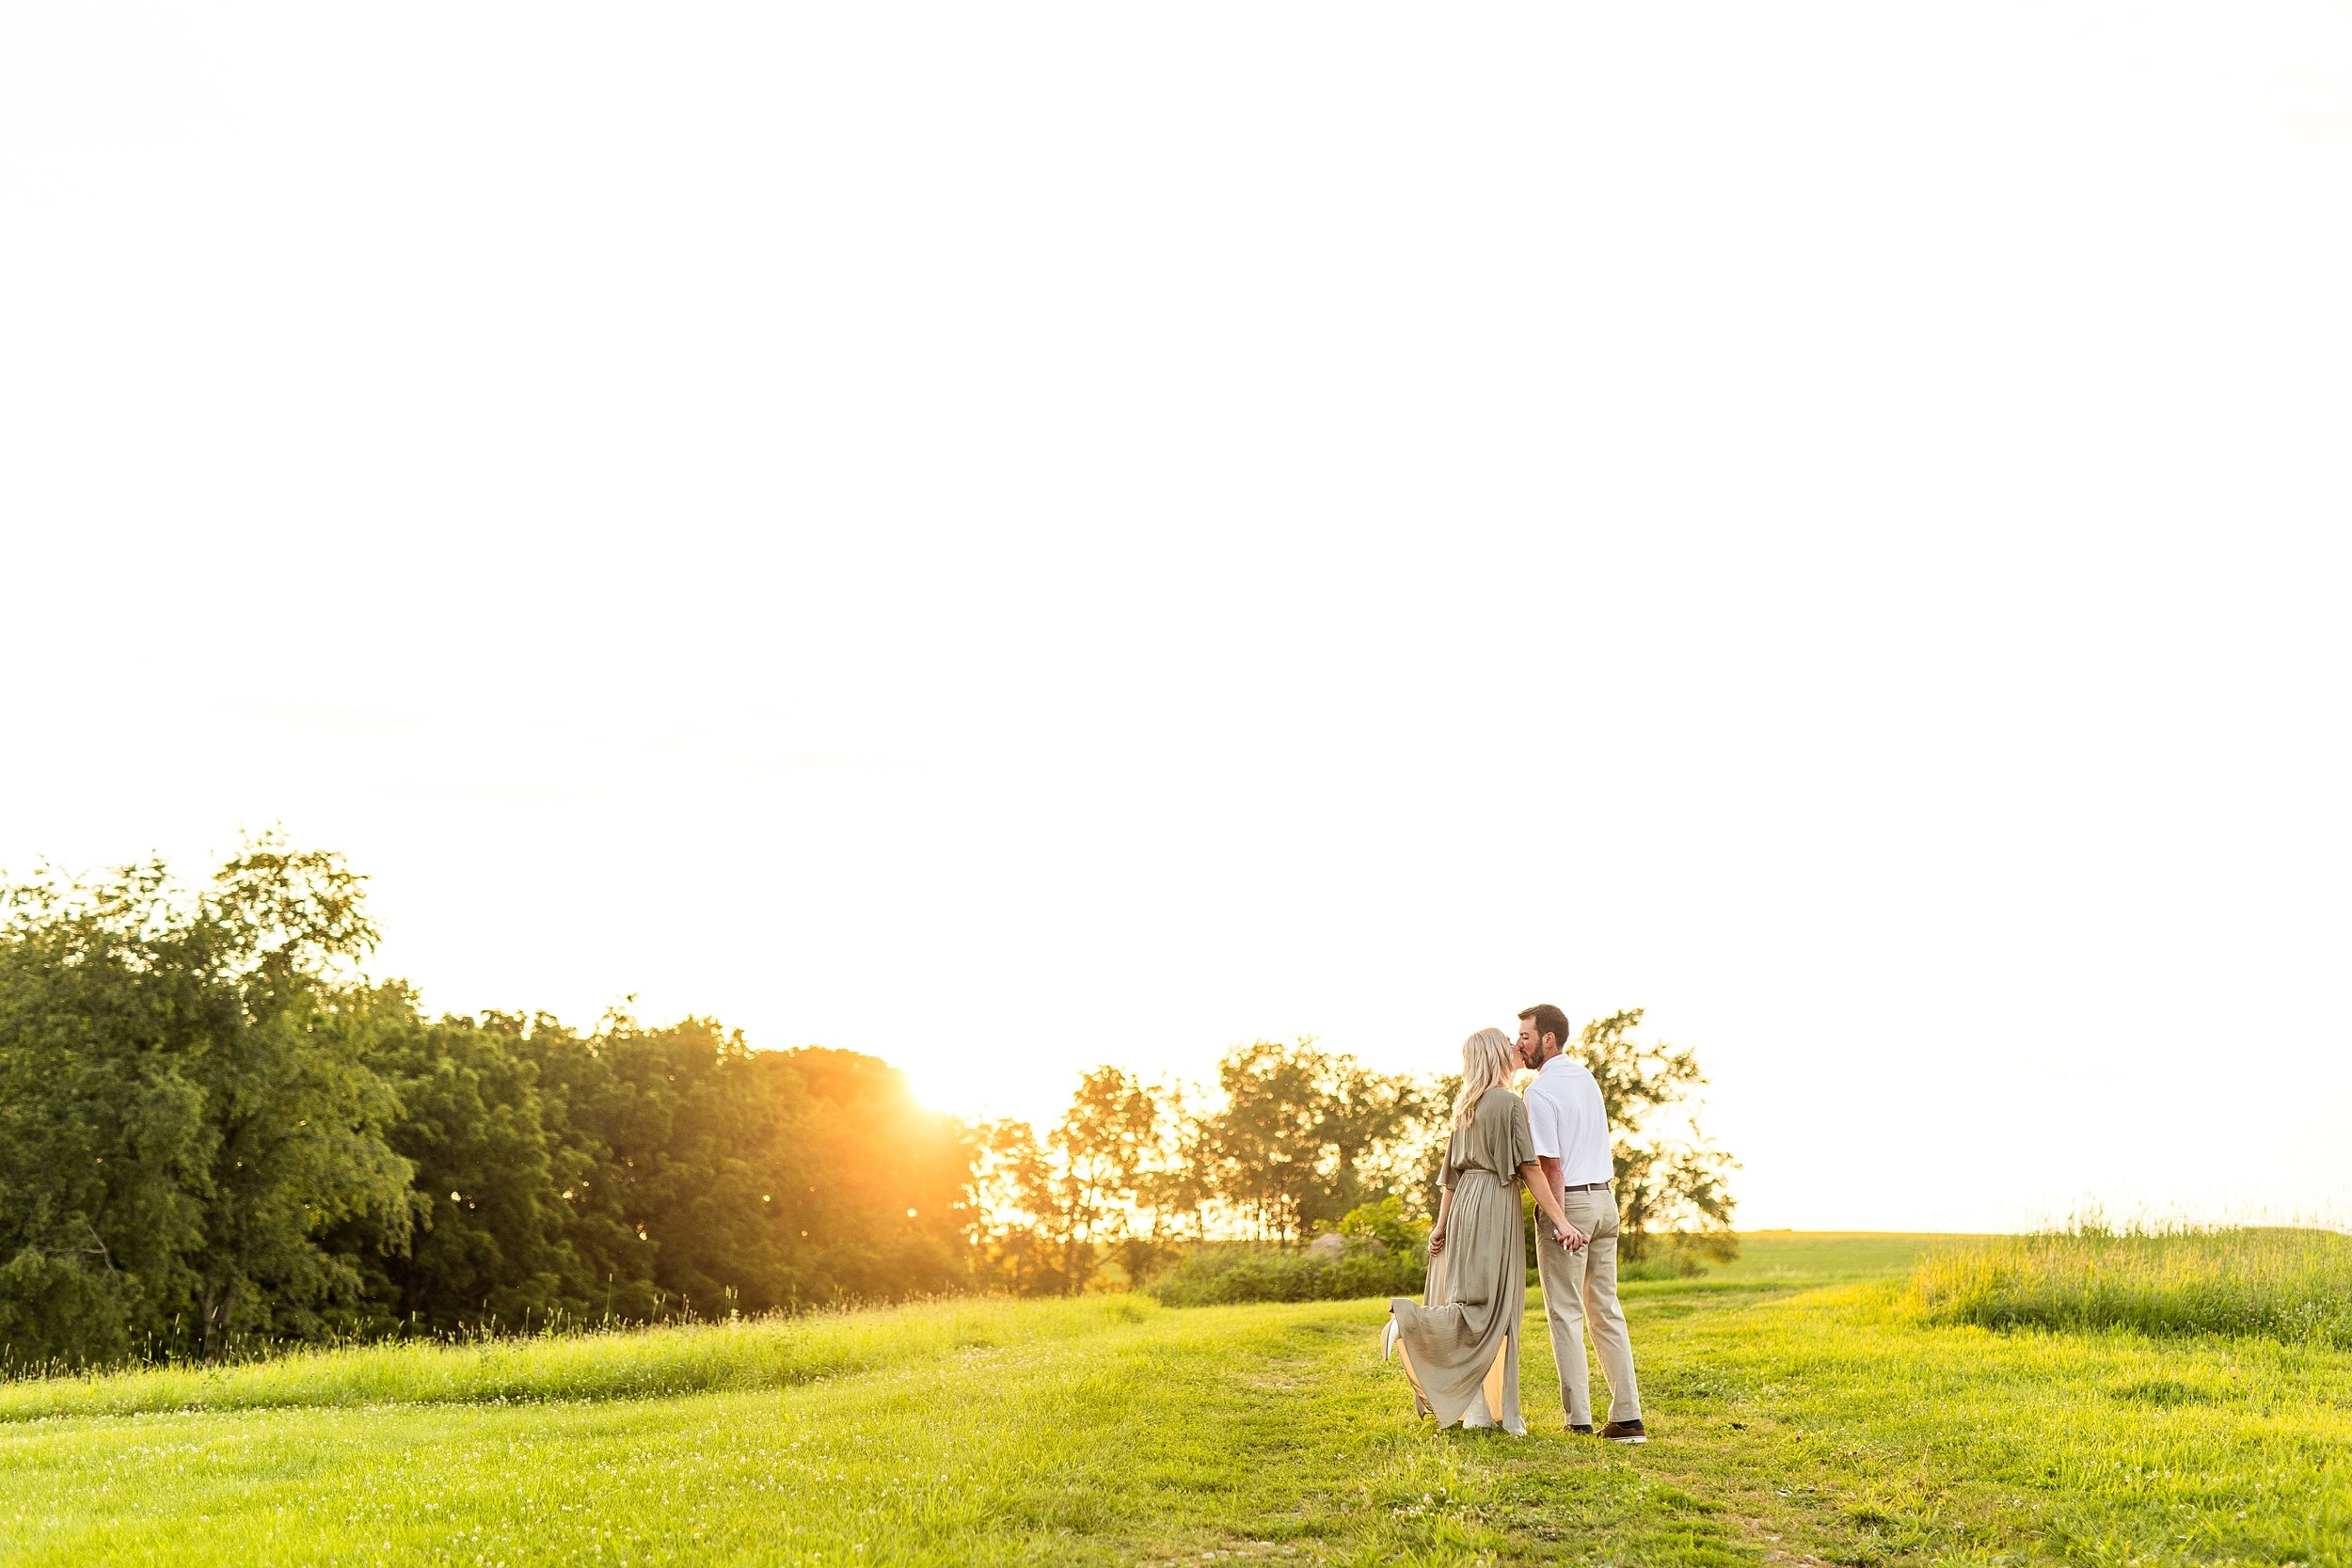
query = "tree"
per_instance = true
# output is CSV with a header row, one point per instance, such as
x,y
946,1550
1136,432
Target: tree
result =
x,y
187,1120
1671,1180
103,1140
1027,1228
214,1128
893,1202
297,1121
1106,1146
490,1242
1304,1135
705,1163
1177,1189
1107,1184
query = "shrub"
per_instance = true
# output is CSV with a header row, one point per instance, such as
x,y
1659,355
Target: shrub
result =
x,y
1390,1224
2281,1284
1219,1273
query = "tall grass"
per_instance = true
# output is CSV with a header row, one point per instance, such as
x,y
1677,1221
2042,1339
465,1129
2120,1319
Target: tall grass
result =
x,y
756,1353
2281,1284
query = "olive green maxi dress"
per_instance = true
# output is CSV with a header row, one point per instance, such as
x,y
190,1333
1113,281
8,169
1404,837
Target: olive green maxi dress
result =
x,y
1461,1344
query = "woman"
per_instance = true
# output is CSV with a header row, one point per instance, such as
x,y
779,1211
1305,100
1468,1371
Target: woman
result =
x,y
1462,1349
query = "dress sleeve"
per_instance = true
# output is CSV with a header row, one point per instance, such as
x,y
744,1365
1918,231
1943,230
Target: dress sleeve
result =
x,y
1445,1163
1522,1136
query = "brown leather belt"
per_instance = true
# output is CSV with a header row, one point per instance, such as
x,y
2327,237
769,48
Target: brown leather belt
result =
x,y
1587,1187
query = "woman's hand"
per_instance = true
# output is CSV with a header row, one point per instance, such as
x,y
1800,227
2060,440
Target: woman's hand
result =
x,y
1570,1237
1436,1241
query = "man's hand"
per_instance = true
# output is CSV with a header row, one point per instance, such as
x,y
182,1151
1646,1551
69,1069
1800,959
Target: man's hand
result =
x,y
1570,1237
1436,1241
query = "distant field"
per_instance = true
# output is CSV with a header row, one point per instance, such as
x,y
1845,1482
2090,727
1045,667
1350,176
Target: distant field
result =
x,y
1818,1256
1803,1414
2293,1285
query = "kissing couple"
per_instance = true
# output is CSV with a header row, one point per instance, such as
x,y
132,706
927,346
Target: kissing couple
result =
x,y
1460,1342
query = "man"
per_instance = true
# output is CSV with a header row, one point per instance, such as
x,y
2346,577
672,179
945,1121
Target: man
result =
x,y
1571,1128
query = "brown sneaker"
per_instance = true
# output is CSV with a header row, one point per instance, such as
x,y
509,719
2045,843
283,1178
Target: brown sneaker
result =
x,y
1625,1431
1583,1431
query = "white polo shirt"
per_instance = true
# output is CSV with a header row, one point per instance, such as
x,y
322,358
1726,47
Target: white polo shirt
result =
x,y
1564,1112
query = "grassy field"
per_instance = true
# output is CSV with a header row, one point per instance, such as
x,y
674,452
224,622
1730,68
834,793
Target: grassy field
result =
x,y
1803,1411
2282,1283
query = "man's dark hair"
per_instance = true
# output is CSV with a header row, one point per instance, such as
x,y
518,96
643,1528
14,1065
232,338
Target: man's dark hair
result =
x,y
1548,1021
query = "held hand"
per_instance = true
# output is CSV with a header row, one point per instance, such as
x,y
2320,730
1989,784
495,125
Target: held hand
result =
x,y
1436,1241
1570,1237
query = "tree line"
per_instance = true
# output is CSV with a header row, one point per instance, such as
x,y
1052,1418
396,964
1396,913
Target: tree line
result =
x,y
1294,1142
216,1133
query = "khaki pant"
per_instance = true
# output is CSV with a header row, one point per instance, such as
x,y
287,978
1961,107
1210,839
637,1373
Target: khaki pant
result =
x,y
1580,1294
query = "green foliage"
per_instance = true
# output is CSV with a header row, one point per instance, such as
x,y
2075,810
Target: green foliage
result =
x,y
1222,1273
1102,1187
1101,1199
1382,1249
491,1239
216,1135
1390,1224
186,1115
1303,1136
1297,1138
675,1171
56,1310
2277,1284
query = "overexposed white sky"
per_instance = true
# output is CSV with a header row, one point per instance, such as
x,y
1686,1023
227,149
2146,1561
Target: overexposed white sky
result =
x,y
1019,536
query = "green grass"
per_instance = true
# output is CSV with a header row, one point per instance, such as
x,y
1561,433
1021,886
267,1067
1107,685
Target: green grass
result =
x,y
770,1353
2284,1284
1795,1422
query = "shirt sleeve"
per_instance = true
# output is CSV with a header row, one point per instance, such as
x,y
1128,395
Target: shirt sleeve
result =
x,y
1543,1123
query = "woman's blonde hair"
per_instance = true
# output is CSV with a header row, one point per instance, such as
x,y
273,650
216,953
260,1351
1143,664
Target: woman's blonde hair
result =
x,y
1487,1064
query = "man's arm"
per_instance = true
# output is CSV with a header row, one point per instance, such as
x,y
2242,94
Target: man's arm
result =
x,y
1554,1174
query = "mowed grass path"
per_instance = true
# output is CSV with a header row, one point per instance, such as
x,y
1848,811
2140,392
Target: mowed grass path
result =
x,y
1794,1423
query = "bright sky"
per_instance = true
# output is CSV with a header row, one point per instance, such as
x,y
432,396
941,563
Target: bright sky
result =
x,y
1015,536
